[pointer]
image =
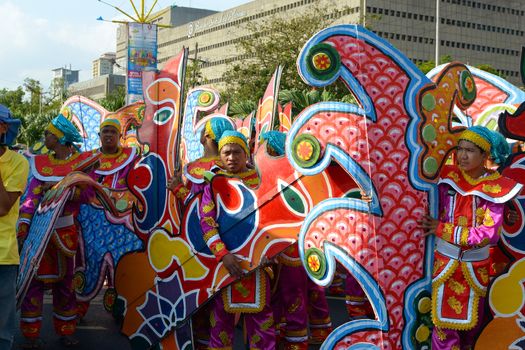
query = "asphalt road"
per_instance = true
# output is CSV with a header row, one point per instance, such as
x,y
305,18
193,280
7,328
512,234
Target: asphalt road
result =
x,y
99,331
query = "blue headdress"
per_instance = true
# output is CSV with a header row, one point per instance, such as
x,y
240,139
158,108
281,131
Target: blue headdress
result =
x,y
232,136
275,140
12,126
216,126
64,130
489,141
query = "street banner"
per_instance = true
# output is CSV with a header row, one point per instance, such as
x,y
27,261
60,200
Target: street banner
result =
x,y
142,55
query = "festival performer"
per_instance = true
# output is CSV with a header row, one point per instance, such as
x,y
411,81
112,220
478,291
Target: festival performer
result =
x,y
258,317
115,162
14,170
302,302
194,172
57,265
471,201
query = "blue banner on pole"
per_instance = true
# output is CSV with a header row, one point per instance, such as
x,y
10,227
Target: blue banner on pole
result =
x,y
142,55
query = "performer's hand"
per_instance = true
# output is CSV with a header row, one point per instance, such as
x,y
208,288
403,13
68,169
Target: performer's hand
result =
x,y
231,262
512,217
23,229
172,183
428,224
47,185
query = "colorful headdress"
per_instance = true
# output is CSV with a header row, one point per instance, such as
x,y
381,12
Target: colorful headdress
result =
x,y
64,130
111,122
12,126
489,141
232,136
214,128
275,140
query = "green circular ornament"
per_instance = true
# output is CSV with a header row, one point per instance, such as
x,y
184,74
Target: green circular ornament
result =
x,y
429,133
430,165
79,282
428,102
315,262
424,305
121,205
422,333
468,86
205,99
306,150
109,299
323,61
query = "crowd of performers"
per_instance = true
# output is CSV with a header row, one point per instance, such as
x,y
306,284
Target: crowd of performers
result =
x,y
291,310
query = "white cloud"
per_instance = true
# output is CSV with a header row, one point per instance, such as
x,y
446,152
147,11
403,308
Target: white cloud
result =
x,y
32,46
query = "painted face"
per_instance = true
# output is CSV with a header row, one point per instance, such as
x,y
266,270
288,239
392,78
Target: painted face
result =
x,y
109,137
470,157
50,140
233,158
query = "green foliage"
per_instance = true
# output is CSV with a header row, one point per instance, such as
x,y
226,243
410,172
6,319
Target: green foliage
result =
x,y
490,69
194,74
33,107
115,100
427,66
277,40
241,108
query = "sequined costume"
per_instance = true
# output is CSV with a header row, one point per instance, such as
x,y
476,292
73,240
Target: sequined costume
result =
x,y
470,217
299,304
249,295
57,264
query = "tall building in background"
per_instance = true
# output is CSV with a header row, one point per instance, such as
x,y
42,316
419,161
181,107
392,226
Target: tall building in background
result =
x,y
104,64
62,79
471,31
67,76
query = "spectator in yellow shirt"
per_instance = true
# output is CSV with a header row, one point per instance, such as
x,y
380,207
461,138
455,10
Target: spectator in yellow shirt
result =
x,y
14,170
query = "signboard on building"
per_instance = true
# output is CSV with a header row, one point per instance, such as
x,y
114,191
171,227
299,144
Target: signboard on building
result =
x,y
142,55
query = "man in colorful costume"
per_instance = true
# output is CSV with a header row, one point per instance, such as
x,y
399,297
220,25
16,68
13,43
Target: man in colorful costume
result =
x,y
302,302
14,170
234,152
194,173
471,202
57,264
115,162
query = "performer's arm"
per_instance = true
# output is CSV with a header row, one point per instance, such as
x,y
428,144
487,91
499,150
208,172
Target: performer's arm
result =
x,y
28,207
208,214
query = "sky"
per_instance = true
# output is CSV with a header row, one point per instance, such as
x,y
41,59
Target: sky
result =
x,y
38,36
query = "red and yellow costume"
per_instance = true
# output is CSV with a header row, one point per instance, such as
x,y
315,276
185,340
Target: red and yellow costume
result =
x,y
470,217
57,264
249,295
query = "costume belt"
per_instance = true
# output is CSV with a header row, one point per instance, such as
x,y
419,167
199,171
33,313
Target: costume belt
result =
x,y
64,221
454,252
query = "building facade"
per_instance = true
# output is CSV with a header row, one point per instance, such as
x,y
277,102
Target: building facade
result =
x,y
471,31
104,64
99,87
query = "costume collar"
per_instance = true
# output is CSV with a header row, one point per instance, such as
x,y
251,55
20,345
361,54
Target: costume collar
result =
x,y
111,163
493,188
195,170
46,167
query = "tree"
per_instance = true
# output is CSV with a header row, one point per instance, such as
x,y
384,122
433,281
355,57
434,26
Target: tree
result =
x,y
427,66
35,111
269,43
114,100
490,69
